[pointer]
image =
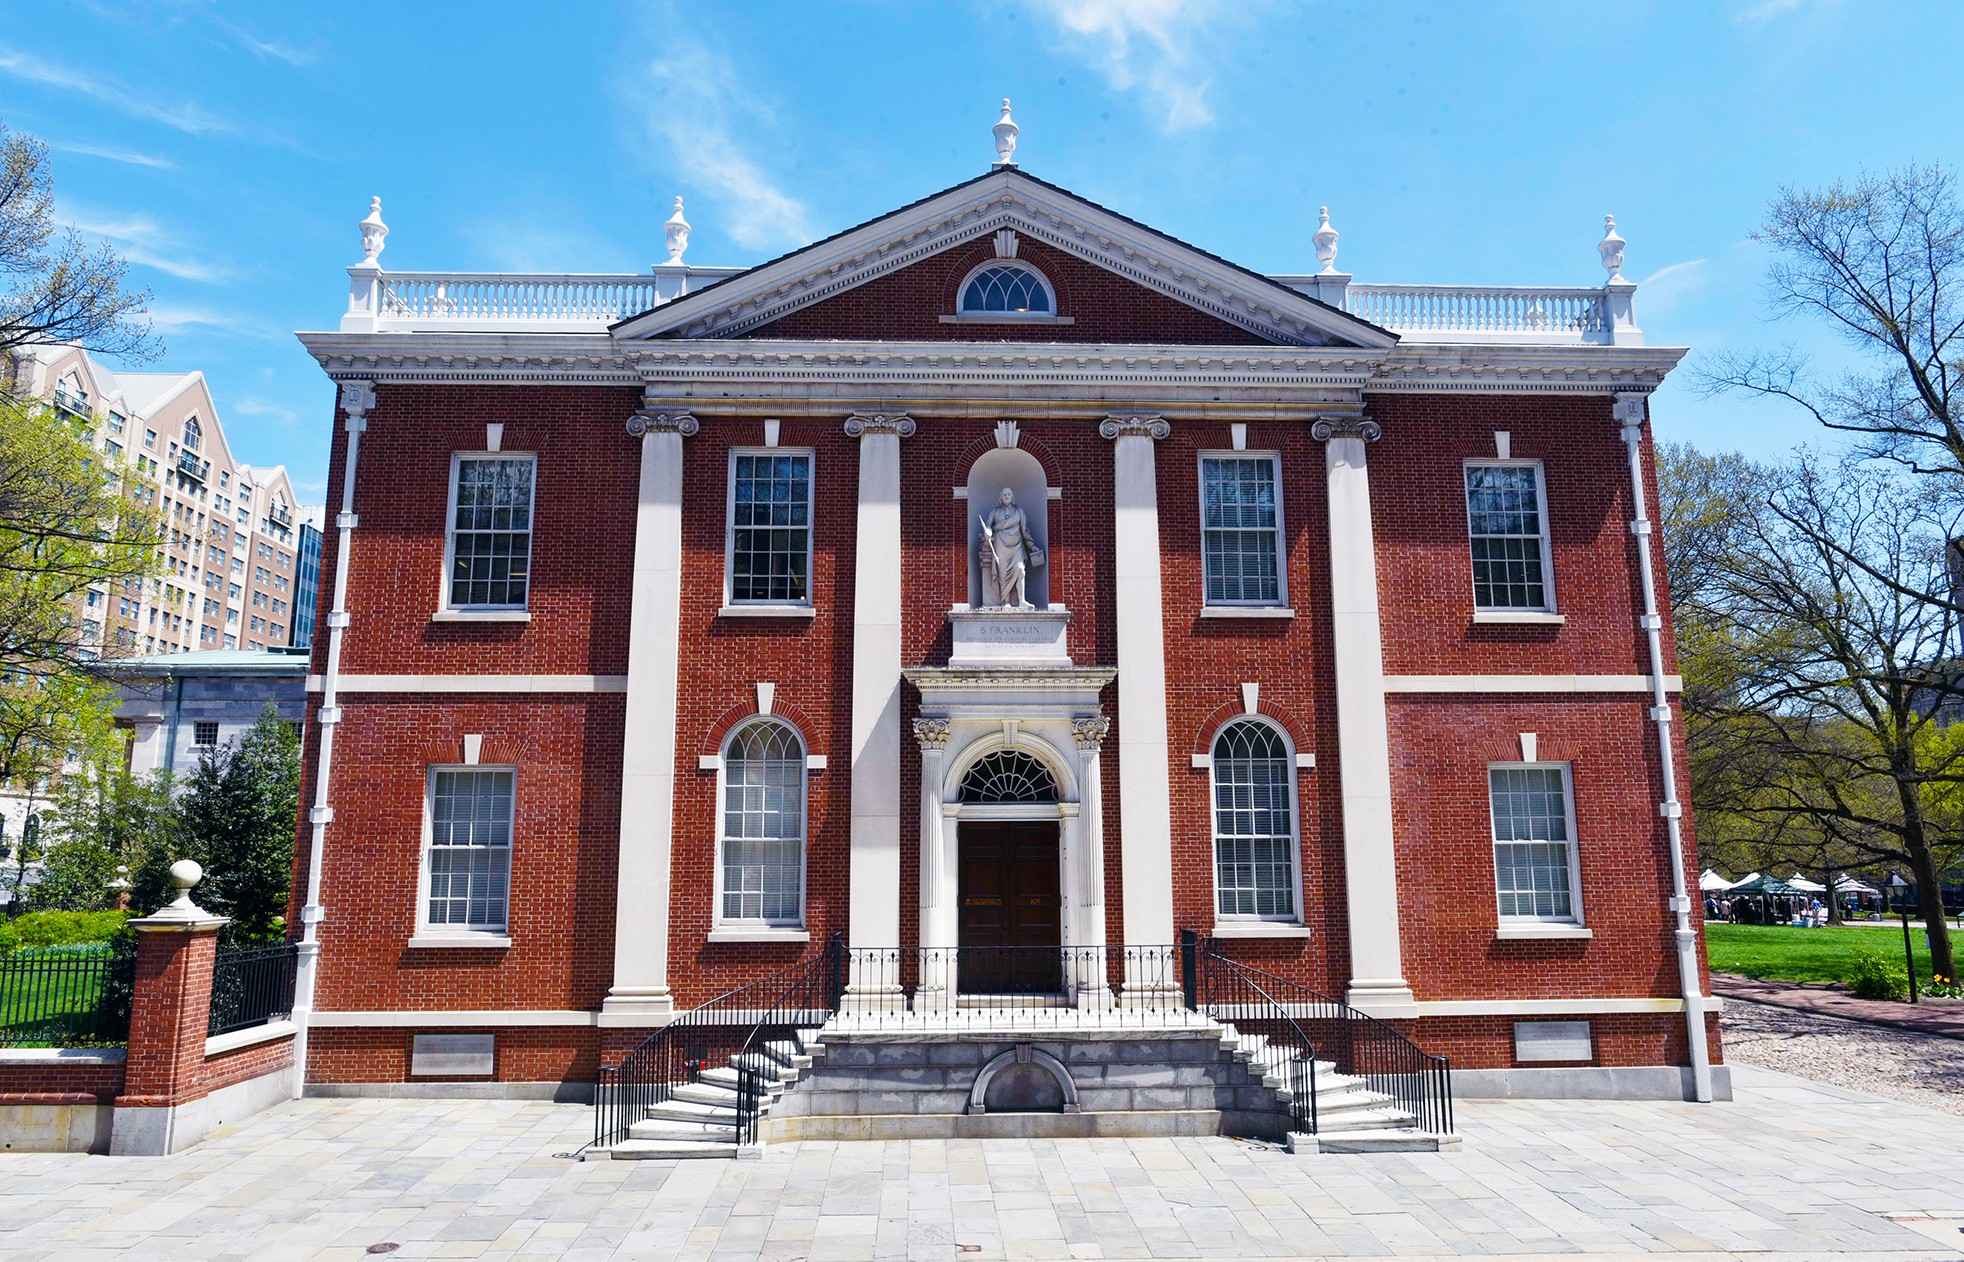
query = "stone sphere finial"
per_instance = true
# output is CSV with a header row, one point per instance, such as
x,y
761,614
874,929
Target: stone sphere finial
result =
x,y
1611,249
184,874
1325,240
1005,131
373,233
676,229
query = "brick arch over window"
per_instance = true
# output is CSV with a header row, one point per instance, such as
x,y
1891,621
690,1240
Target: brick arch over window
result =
x,y
743,711
962,260
1025,441
1293,726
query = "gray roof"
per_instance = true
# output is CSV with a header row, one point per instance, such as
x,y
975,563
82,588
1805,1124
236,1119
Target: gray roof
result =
x,y
214,661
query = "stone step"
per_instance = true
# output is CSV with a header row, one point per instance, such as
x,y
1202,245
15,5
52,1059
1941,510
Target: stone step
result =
x,y
786,1052
665,1129
1386,1140
706,1093
678,1150
726,1076
1362,1120
680,1110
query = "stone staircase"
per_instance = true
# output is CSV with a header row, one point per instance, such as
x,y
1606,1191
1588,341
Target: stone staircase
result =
x,y
700,1118
1350,1117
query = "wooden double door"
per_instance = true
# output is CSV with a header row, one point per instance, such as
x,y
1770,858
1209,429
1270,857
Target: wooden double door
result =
x,y
1010,919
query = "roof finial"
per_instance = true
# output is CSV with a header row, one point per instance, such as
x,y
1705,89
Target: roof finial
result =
x,y
1005,130
1611,248
373,231
1325,240
677,232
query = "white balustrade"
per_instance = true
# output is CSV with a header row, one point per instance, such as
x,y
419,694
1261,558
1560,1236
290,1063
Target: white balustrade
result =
x,y
520,301
1483,313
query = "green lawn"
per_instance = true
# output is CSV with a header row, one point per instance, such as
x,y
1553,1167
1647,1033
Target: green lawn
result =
x,y
1781,953
49,996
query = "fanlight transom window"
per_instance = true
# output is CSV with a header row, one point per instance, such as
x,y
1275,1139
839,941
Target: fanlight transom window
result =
x,y
1009,776
1006,290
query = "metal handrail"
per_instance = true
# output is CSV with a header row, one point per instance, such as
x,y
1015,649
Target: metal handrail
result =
x,y
1358,1044
1302,1065
678,1053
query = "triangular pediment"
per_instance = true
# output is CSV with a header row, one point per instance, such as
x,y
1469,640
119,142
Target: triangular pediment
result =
x,y
1005,198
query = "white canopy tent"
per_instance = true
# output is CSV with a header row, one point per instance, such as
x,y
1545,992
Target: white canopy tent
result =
x,y
1711,882
1800,882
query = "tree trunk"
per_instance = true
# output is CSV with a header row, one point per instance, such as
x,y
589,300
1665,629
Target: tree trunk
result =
x,y
1828,877
1930,901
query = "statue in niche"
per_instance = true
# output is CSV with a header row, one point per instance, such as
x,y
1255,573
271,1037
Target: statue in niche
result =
x,y
1008,552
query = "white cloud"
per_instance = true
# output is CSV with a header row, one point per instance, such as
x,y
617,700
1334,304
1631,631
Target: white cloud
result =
x,y
174,319
185,117
1665,288
1145,44
252,405
264,48
129,156
699,111
142,240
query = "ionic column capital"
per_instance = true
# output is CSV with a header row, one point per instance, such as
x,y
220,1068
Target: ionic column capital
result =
x,y
932,734
1349,427
662,423
859,424
1134,425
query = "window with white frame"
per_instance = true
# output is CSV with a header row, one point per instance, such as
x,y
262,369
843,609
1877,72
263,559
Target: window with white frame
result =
x,y
468,856
770,535
1241,530
1534,842
490,532
763,826
1507,524
1004,288
1254,823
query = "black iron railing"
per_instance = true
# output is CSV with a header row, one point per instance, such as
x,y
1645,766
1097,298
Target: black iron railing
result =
x,y
1013,987
65,996
1415,1082
730,1030
252,986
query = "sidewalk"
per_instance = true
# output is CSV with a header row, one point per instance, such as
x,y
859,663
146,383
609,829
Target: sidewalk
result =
x,y
1927,1016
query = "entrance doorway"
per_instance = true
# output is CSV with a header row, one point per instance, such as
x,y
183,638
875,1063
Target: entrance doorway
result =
x,y
1010,920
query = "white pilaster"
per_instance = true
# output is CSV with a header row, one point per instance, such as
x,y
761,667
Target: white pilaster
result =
x,y
873,928
937,863
1089,985
641,911
1144,783
1377,978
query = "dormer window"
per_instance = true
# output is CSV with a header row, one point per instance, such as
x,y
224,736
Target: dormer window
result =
x,y
1007,289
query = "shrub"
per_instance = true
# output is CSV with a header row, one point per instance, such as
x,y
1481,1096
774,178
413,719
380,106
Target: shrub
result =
x,y
59,928
1876,976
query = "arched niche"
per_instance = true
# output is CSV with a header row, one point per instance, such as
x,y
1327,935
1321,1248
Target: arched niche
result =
x,y
1022,473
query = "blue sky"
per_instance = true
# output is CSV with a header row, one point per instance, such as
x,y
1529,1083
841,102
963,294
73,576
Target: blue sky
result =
x,y
230,149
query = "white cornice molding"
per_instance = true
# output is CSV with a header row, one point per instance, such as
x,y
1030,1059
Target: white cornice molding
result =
x,y
1435,367
979,209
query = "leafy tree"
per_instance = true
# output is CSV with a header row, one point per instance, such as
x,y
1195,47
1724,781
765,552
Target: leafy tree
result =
x,y
65,525
102,818
236,818
60,289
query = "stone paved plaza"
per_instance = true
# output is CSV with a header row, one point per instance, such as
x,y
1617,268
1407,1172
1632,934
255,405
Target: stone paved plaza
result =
x,y
1790,1168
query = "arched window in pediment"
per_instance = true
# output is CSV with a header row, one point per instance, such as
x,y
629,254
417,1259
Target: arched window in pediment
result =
x,y
1007,288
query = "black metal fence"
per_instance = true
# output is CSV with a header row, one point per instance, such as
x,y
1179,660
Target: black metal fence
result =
x,y
252,986
729,1031
66,996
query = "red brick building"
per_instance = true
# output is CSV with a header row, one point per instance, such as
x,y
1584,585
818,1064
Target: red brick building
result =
x,y
1000,573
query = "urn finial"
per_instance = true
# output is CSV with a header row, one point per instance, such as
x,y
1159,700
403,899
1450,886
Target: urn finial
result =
x,y
676,229
373,233
1325,240
1005,131
1611,249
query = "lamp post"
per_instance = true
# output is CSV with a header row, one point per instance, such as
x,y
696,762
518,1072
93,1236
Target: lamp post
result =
x,y
1899,888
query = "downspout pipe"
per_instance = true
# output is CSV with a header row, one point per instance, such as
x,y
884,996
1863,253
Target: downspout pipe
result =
x,y
357,399
1630,411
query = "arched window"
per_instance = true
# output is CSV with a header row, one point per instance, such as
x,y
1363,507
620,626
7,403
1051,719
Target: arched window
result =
x,y
1007,289
1254,823
193,434
763,839
1009,776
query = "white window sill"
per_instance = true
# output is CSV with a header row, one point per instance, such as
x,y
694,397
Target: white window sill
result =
x,y
1260,929
1007,317
1247,611
1517,617
761,933
766,611
481,615
1542,929
459,941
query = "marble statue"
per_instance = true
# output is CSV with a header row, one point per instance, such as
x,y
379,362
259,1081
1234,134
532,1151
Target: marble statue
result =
x,y
1008,553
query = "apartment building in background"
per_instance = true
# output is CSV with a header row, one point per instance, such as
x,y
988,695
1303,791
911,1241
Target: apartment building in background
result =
x,y
234,548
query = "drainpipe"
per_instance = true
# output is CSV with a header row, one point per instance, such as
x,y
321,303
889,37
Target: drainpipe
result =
x,y
357,397
1630,411
176,714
